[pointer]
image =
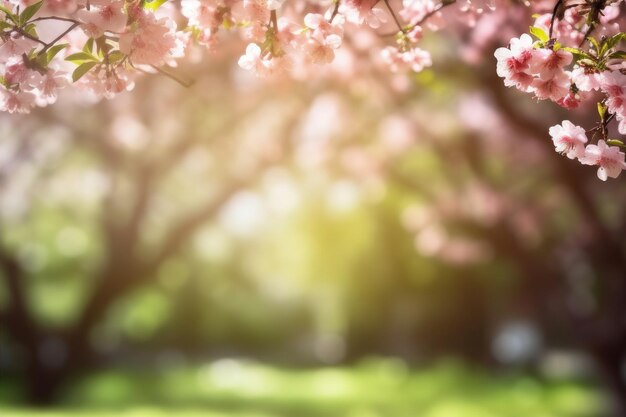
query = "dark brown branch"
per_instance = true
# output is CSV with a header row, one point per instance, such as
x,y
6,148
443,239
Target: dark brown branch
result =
x,y
20,322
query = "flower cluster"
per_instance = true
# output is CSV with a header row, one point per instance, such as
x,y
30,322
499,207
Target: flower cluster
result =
x,y
574,57
102,46
570,140
97,45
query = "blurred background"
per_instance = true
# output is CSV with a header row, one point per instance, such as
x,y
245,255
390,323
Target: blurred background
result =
x,y
354,244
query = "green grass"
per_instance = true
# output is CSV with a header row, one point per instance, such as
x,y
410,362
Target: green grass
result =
x,y
381,388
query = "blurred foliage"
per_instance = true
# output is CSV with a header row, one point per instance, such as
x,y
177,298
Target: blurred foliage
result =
x,y
415,217
375,388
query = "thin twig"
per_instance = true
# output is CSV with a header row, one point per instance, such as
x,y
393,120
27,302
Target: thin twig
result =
x,y
335,11
28,35
174,77
395,18
554,13
63,19
58,38
427,16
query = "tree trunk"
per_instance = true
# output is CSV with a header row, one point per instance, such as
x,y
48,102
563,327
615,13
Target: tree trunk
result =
x,y
610,363
44,385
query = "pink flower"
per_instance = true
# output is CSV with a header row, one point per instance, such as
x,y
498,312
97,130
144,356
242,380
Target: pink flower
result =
x,y
552,88
203,14
252,60
415,11
570,101
415,35
609,159
263,66
151,43
274,4
108,84
15,71
59,7
16,101
415,59
320,28
585,81
277,65
322,39
513,63
569,139
103,16
49,85
317,52
362,11
15,45
252,11
477,6
548,63
613,83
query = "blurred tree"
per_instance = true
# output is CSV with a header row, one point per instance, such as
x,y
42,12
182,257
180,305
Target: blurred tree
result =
x,y
479,189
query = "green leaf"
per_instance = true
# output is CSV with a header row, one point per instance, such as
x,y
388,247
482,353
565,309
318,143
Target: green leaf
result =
x,y
9,14
616,142
612,41
6,10
82,69
595,44
539,33
578,53
88,47
53,51
80,57
102,47
153,5
601,110
29,12
618,55
31,29
116,56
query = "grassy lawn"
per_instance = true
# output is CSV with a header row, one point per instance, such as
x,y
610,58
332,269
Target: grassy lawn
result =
x,y
381,388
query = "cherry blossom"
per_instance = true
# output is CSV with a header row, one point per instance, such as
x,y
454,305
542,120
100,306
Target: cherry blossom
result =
x,y
609,159
152,41
613,83
585,80
322,39
50,84
415,59
363,12
547,63
574,59
103,16
202,14
15,44
414,12
571,56
514,62
554,88
253,61
16,101
569,139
